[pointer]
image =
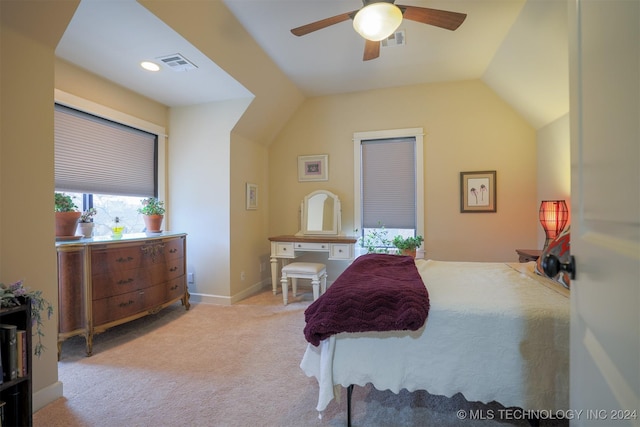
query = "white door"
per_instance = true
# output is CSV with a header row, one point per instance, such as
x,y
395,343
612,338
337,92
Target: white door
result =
x,y
605,194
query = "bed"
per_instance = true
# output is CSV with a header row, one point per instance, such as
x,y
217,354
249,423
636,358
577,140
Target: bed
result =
x,y
494,332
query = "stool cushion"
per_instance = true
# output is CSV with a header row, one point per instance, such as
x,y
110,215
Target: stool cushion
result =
x,y
303,268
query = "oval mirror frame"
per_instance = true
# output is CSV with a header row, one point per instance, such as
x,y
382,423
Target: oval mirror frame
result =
x,y
320,214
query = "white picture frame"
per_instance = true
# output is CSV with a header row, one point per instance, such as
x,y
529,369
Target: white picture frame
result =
x,y
252,196
313,168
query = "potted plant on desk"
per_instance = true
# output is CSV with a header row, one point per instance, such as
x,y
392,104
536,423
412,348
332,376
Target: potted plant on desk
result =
x,y
407,245
67,215
85,224
152,211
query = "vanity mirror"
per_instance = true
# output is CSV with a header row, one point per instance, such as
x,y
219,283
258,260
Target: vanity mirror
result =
x,y
320,214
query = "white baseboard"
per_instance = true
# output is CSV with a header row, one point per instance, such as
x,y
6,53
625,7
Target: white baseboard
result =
x,y
197,298
43,397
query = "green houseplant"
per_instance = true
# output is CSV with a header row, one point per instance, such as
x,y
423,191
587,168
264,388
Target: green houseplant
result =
x,y
376,240
67,215
14,295
153,212
407,245
85,224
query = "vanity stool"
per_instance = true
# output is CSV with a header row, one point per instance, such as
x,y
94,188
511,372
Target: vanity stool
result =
x,y
313,271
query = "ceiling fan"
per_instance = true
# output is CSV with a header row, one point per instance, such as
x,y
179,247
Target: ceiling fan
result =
x,y
378,19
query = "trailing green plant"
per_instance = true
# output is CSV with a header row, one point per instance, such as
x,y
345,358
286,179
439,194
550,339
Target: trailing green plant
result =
x,y
376,240
12,296
152,206
87,216
64,203
407,243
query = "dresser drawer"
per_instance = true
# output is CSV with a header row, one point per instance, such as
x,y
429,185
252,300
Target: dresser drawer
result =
x,y
108,285
115,259
121,282
171,269
307,246
174,248
175,288
284,250
340,251
118,307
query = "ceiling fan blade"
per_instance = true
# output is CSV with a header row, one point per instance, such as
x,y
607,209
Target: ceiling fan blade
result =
x,y
439,18
323,23
371,50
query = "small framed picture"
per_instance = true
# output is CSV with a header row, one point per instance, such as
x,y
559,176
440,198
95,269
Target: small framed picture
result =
x,y
478,191
313,168
252,196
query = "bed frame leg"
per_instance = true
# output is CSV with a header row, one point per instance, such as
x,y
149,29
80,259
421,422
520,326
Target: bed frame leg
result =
x,y
349,393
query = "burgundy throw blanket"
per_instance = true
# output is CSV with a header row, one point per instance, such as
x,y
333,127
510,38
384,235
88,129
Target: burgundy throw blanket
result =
x,y
378,292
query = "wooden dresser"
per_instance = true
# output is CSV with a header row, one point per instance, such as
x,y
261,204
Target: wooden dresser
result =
x,y
104,282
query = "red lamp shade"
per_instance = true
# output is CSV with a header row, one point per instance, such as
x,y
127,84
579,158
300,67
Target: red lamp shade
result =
x,y
553,217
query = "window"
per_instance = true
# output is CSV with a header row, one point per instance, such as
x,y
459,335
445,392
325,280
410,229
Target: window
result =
x,y
388,193
106,165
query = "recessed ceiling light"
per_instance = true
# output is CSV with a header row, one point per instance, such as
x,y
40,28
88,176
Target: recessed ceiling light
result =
x,y
150,66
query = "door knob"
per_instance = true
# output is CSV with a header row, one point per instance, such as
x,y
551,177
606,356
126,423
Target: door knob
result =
x,y
552,265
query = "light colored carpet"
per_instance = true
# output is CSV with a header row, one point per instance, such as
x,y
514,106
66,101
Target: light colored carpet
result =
x,y
223,366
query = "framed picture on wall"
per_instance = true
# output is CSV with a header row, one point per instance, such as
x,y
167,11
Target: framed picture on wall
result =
x,y
313,168
252,196
478,191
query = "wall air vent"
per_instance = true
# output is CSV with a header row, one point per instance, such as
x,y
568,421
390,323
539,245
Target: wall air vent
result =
x,y
395,39
177,62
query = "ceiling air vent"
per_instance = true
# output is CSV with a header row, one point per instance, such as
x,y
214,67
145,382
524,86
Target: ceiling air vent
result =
x,y
395,39
177,62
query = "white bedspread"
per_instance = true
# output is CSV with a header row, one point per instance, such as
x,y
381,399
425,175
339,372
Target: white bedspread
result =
x,y
495,332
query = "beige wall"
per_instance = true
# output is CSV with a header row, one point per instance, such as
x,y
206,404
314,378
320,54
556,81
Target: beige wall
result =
x,y
27,248
200,184
554,167
249,244
467,127
74,80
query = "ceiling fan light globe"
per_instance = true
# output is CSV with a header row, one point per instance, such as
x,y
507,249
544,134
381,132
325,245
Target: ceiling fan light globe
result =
x,y
377,21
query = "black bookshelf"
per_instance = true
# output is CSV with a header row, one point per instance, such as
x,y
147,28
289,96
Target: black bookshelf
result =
x,y
17,393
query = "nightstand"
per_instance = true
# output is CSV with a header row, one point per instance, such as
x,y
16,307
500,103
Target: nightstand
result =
x,y
527,255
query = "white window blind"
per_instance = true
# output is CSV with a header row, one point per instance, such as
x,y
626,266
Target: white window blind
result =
x,y
389,183
95,155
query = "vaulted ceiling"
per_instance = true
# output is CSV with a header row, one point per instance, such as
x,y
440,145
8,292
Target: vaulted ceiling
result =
x,y
518,48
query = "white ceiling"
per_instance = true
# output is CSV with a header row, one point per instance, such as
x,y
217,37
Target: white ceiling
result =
x,y
517,48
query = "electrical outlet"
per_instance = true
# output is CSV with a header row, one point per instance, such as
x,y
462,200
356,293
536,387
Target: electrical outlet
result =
x,y
189,277
242,276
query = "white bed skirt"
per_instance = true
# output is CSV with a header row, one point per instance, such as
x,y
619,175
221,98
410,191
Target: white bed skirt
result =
x,y
495,332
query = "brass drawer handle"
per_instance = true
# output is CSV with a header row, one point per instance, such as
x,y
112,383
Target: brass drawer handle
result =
x,y
127,259
125,282
172,269
126,304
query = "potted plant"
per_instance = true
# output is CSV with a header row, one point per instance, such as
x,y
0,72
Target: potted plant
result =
x,y
14,295
67,215
376,240
407,245
153,212
85,224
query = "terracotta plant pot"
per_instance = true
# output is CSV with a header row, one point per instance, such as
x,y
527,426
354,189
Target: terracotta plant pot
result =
x,y
409,252
153,223
66,223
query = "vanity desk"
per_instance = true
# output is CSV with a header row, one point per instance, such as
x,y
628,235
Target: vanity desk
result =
x,y
288,247
320,231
